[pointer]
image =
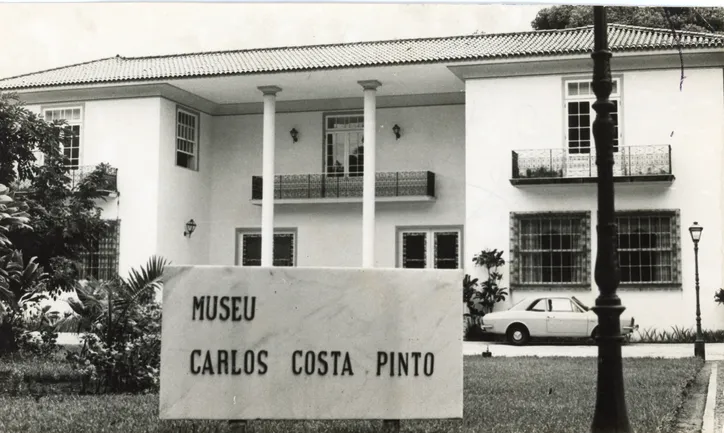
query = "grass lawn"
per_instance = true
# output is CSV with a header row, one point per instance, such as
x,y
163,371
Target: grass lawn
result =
x,y
502,395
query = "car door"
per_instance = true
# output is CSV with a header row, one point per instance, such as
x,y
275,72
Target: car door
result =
x,y
535,317
566,319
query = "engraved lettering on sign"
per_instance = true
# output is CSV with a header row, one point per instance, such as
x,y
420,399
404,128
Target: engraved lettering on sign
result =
x,y
234,362
234,308
311,362
405,363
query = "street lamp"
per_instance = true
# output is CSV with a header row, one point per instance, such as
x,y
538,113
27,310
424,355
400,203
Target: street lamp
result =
x,y
699,345
610,414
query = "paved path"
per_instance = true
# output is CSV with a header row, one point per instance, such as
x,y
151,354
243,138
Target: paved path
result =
x,y
714,351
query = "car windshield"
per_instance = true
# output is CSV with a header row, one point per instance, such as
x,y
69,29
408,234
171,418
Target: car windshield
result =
x,y
579,303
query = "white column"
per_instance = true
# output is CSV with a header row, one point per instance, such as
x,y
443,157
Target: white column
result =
x,y
267,199
368,192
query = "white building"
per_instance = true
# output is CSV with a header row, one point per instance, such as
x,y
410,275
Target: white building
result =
x,y
481,142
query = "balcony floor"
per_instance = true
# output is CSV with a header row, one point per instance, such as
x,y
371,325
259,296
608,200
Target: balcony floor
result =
x,y
652,178
330,200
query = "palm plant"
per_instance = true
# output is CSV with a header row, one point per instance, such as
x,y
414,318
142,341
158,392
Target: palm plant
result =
x,y
122,324
104,307
20,285
87,310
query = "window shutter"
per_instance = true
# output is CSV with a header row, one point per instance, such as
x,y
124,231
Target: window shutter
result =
x,y
414,250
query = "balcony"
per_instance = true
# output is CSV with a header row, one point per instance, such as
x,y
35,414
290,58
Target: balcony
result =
x,y
328,188
558,166
110,180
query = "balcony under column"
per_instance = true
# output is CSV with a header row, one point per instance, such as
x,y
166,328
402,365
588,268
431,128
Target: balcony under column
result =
x,y
402,186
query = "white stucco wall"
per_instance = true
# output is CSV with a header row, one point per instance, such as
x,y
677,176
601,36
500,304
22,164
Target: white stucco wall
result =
x,y
527,113
331,234
183,194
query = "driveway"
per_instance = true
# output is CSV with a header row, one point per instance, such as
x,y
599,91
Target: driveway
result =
x,y
714,351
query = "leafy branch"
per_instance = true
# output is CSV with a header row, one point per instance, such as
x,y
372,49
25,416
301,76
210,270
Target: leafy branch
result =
x,y
482,301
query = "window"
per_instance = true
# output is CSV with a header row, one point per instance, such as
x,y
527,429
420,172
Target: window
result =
x,y
539,305
579,99
284,245
550,248
101,262
71,145
561,305
430,248
648,246
187,139
344,145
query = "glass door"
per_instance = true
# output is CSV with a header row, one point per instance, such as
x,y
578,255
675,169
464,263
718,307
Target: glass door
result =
x,y
344,149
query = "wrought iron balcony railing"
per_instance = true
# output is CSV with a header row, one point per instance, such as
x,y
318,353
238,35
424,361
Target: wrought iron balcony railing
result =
x,y
326,186
77,175
631,163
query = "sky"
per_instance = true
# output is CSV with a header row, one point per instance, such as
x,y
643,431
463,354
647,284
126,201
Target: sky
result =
x,y
50,35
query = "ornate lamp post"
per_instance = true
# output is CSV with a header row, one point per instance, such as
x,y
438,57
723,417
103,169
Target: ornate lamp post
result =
x,y
699,345
610,414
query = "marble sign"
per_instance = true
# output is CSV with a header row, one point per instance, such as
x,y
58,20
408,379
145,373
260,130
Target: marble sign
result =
x,y
311,343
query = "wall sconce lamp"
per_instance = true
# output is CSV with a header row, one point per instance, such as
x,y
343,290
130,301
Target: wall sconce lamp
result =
x,y
396,130
295,134
190,227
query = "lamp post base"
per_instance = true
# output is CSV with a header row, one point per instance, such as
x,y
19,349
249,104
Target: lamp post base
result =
x,y
700,349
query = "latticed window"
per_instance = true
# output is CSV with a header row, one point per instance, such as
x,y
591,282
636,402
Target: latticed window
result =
x,y
70,144
579,99
187,141
284,244
101,262
649,246
550,248
430,248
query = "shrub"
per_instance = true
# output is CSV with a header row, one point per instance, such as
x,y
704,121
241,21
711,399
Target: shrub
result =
x,y
490,293
32,335
11,382
40,344
121,322
131,364
21,283
481,302
678,335
543,172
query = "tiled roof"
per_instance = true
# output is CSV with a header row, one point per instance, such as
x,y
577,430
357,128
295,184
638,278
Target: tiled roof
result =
x,y
380,53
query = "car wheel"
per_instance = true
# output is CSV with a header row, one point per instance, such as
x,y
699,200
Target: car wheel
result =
x,y
594,334
518,334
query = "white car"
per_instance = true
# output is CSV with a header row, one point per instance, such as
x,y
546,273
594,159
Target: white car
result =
x,y
553,316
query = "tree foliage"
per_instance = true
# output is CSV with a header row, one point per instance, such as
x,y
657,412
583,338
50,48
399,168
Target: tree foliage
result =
x,y
17,280
708,20
20,284
719,296
482,301
491,293
62,210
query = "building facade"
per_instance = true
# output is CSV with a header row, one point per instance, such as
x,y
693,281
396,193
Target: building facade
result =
x,y
479,142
